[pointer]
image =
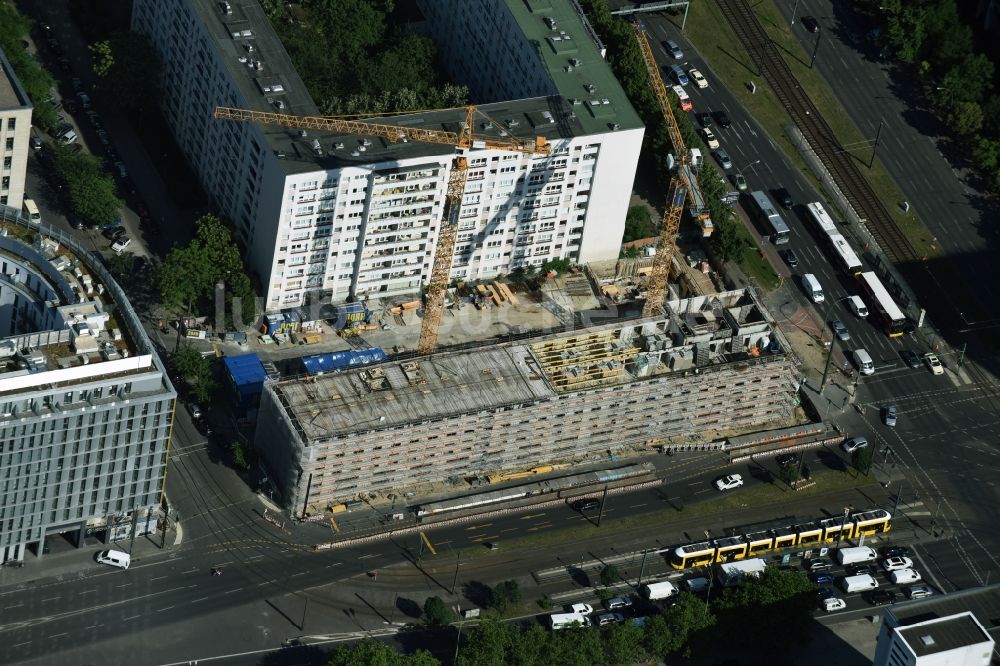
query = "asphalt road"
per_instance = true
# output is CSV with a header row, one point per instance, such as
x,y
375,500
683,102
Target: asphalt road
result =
x,y
911,146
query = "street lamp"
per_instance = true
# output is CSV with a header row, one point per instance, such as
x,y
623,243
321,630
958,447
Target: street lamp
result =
x,y
740,171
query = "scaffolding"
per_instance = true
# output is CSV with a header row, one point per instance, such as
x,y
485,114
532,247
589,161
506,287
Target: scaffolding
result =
x,y
585,361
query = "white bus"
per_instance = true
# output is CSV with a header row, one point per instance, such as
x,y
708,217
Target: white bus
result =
x,y
821,218
848,260
768,215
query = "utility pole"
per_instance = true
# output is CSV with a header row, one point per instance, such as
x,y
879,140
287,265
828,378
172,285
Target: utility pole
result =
x,y
878,133
302,625
454,582
899,491
795,9
604,498
819,35
642,569
840,534
961,356
163,531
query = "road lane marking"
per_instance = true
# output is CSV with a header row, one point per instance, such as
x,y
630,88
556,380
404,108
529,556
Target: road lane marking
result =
x,y
165,608
159,578
58,635
370,555
50,599
477,527
201,599
88,591
532,515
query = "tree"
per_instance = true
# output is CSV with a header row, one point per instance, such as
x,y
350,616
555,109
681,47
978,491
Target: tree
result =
x,y
90,190
369,652
623,644
437,613
505,595
488,644
905,33
789,474
862,459
121,265
726,239
239,453
969,81
671,631
129,68
194,369
986,153
638,224
775,609
610,575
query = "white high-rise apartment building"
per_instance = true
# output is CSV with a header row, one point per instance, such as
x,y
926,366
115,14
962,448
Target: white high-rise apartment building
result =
x,y
355,216
15,131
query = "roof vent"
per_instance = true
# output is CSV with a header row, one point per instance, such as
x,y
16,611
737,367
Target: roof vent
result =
x,y
511,123
227,8
575,62
551,22
303,133
339,145
927,640
487,126
590,87
316,147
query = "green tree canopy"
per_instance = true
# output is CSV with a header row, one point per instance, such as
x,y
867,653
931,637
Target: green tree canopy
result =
x,y
37,82
862,459
771,612
91,191
437,613
129,68
369,652
610,575
638,224
505,595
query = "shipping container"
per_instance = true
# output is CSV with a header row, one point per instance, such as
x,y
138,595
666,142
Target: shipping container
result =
x,y
319,364
246,375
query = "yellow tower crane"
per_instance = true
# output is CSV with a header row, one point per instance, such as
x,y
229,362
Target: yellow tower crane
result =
x,y
463,140
683,185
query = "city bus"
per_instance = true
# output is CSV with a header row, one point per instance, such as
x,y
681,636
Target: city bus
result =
x,y
845,255
821,218
880,304
768,216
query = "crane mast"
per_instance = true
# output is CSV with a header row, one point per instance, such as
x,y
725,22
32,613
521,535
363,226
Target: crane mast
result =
x,y
683,186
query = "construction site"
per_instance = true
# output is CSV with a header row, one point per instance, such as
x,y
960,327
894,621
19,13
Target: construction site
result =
x,y
708,368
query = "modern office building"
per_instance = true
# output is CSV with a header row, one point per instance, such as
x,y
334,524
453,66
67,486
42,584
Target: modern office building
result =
x,y
957,629
351,217
86,407
15,133
712,364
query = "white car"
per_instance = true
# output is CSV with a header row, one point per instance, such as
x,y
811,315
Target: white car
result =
x,y
710,139
582,609
729,482
698,79
934,364
834,604
897,563
854,443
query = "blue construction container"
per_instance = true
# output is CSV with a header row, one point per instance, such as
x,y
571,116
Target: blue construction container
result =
x,y
318,364
349,314
273,323
246,377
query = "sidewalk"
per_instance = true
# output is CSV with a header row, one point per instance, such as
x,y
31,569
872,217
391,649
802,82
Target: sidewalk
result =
x,y
67,560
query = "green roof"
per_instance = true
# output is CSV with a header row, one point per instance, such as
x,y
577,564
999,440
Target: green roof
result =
x,y
602,100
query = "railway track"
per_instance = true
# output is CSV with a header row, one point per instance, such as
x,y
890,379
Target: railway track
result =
x,y
773,68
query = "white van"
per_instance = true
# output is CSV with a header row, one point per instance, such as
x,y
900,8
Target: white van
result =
x,y
863,361
858,306
856,555
811,286
904,576
697,585
860,583
31,210
563,620
115,558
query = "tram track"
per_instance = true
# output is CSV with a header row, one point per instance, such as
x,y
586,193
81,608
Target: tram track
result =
x,y
842,167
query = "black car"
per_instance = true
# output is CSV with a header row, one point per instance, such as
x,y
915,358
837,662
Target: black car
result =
x,y
783,197
911,358
881,597
787,459
861,570
114,233
825,593
810,24
722,119
588,504
790,258
705,119
895,551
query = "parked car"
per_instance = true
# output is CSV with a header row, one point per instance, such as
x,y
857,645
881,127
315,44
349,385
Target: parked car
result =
x,y
195,410
36,142
741,182
790,258
616,603
841,330
582,609
895,551
786,459
673,49
722,155
933,364
880,597
698,79
729,482
604,619
709,137
854,443
860,570
919,592
810,24
821,577
704,119
825,593
818,564
723,119
114,232
897,563
834,604
889,415
910,357
120,168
